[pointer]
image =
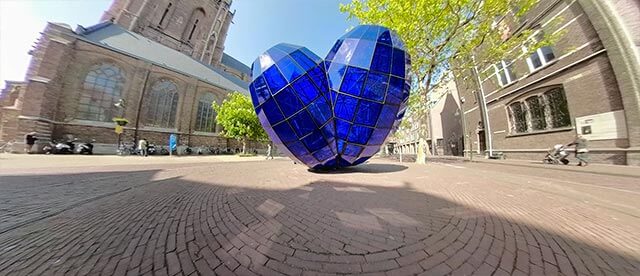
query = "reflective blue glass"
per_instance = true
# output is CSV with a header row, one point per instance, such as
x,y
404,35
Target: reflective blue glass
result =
x,y
387,116
398,66
353,80
352,150
376,86
285,132
368,113
320,110
288,101
395,93
261,90
274,79
345,107
302,123
303,60
272,111
289,68
340,109
335,74
359,134
382,58
363,54
306,90
314,141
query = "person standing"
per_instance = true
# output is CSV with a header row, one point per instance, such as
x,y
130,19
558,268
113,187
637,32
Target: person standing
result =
x,y
581,150
269,153
143,147
29,140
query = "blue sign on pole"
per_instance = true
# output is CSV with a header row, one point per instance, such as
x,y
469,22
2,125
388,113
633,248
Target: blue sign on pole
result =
x,y
173,142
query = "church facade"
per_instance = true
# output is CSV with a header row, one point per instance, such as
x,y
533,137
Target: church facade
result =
x,y
163,61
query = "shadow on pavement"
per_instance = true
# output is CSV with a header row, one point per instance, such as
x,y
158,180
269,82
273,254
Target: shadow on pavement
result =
x,y
195,224
369,168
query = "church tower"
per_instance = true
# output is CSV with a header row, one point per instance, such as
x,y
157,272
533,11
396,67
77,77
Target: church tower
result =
x,y
197,28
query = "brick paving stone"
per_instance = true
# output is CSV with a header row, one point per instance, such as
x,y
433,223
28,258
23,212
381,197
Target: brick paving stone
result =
x,y
219,219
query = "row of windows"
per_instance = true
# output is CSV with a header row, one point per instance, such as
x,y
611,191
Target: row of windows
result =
x,y
102,89
544,111
539,58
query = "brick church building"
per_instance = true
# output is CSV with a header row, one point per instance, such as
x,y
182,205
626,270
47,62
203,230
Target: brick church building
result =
x,y
163,59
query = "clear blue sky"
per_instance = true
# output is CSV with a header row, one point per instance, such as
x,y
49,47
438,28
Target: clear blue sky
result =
x,y
258,25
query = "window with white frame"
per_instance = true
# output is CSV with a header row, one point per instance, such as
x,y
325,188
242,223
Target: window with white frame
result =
x,y
504,72
540,57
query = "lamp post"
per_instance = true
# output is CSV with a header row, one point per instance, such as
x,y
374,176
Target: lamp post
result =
x,y
465,136
120,121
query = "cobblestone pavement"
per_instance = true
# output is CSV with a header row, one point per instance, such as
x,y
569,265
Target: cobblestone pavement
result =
x,y
273,217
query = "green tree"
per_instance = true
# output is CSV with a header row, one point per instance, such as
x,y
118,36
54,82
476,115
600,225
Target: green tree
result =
x,y
455,36
238,119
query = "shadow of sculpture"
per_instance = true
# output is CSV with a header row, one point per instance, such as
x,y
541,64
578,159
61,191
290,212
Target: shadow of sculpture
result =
x,y
177,225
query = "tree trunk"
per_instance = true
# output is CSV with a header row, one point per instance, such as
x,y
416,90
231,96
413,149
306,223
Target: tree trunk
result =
x,y
244,146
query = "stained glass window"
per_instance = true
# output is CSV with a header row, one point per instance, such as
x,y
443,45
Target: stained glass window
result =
x,y
205,117
163,104
101,89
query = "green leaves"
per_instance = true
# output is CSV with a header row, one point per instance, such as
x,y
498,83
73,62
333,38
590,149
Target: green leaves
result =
x,y
452,35
238,118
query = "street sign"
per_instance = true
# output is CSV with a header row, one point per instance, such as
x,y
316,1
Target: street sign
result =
x,y
119,129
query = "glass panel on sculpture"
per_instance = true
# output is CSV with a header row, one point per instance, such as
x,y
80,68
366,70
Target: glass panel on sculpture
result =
x,y
302,123
363,54
336,107
353,81
305,89
290,70
320,110
305,62
376,86
274,79
102,88
288,101
382,58
345,107
398,63
368,113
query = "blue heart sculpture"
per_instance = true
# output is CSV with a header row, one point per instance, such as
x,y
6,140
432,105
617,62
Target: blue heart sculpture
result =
x,y
335,112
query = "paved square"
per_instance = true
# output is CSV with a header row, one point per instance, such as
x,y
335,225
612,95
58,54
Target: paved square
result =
x,y
206,216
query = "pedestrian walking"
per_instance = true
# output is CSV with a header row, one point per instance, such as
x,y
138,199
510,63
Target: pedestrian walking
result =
x,y
269,153
143,147
29,140
581,150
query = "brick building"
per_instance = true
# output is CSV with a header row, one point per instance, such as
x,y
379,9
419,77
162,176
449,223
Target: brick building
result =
x,y
586,83
164,59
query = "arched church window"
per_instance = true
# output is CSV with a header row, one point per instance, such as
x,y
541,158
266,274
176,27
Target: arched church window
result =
x,y
163,104
205,118
101,89
164,15
191,28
